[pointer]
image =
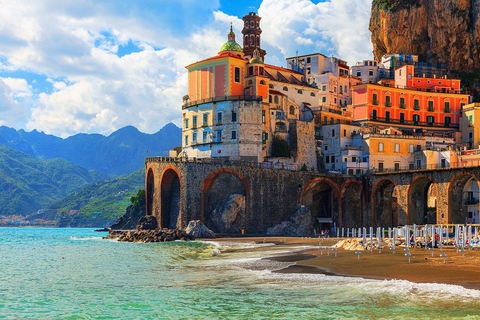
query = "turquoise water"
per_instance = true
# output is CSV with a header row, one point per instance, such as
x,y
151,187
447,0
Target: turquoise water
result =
x,y
75,274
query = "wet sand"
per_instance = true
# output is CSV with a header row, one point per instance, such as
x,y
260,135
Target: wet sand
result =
x,y
464,271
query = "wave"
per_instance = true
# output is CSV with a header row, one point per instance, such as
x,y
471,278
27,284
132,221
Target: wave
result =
x,y
85,238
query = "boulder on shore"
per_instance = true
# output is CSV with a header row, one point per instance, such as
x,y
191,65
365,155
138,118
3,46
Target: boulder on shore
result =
x,y
157,235
300,224
197,229
147,223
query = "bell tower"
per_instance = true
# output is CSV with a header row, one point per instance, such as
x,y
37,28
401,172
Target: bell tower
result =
x,y
251,35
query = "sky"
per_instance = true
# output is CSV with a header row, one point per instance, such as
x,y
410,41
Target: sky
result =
x,y
90,66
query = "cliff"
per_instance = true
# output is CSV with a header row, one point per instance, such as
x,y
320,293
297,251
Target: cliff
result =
x,y
445,31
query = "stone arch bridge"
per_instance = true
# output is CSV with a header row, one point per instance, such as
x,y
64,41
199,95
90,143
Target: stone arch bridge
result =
x,y
257,198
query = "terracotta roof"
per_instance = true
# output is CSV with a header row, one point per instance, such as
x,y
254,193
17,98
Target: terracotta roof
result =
x,y
223,55
276,92
283,69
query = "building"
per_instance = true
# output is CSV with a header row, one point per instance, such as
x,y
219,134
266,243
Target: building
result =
x,y
369,71
411,104
392,62
238,108
470,126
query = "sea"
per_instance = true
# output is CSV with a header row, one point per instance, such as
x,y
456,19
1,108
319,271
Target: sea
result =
x,y
76,274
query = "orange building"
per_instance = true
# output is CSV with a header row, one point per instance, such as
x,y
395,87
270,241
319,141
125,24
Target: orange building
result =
x,y
412,104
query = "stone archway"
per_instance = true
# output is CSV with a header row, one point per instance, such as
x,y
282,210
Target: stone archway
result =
x,y
224,201
422,197
458,205
170,185
351,202
385,204
321,197
150,191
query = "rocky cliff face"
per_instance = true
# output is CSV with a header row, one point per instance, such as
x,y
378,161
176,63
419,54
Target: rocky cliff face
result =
x,y
445,31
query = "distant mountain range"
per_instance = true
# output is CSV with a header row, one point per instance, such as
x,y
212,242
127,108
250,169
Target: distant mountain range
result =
x,y
28,184
122,152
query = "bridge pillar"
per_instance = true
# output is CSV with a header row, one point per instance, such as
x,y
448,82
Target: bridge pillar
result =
x,y
442,203
402,201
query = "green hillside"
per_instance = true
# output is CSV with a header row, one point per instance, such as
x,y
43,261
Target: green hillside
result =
x,y
98,204
28,184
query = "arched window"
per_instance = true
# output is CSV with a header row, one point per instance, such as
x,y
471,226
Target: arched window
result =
x,y
270,99
258,41
312,94
262,82
280,127
246,40
271,87
292,110
252,40
250,82
285,89
300,92
252,24
260,71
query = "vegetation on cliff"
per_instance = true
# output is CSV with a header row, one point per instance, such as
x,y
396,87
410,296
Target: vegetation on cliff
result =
x,y
394,5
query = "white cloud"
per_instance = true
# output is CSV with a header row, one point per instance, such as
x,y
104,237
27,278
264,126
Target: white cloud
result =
x,y
15,95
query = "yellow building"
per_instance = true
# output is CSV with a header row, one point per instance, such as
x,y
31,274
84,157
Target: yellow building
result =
x,y
470,126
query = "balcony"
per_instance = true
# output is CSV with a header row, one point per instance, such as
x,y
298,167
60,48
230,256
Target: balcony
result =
x,y
446,110
415,123
375,102
470,201
402,106
218,99
431,109
416,108
388,104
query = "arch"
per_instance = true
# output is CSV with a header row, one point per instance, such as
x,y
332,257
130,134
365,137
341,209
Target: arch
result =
x,y
457,206
351,204
321,197
420,210
262,82
225,198
170,206
292,110
384,203
149,191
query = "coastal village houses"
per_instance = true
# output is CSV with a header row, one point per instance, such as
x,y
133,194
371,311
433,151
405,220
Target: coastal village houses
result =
x,y
320,115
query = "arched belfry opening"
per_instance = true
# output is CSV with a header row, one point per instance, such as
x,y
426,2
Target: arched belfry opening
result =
x,y
224,202
352,202
422,201
150,192
321,197
385,204
463,199
170,199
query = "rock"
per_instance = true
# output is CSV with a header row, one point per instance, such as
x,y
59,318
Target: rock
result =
x,y
300,224
130,219
156,235
147,223
197,229
230,217
437,31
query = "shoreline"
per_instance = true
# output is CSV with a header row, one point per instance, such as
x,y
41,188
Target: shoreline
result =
x,y
423,268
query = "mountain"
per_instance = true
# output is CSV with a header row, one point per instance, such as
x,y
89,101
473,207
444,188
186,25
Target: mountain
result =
x,y
445,31
98,204
28,184
122,152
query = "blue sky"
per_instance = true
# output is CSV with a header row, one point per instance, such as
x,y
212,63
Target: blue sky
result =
x,y
72,66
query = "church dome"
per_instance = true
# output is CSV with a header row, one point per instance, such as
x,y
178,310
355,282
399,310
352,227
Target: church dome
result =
x,y
256,57
231,45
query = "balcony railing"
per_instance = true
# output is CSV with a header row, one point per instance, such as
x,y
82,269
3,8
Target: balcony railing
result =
x,y
388,104
446,110
415,123
375,102
470,201
416,108
403,106
431,109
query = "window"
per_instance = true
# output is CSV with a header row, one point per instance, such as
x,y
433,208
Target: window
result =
x,y
263,117
387,101
380,166
411,148
402,102
359,73
374,114
324,99
270,99
325,120
186,123
237,74
262,82
430,120
308,60
334,89
416,118
205,119
270,86
333,132
204,136
397,166
354,159
331,120
341,90
448,120
264,137
234,116
292,110
250,71
299,92
194,122
194,138
338,121
380,147
218,135
430,106
324,88
416,104
335,100
370,73
447,107
402,117
444,163
275,99
234,135
312,94
470,118
374,99
344,132
186,140
326,148
219,117
332,158
387,115
397,147
327,159
285,89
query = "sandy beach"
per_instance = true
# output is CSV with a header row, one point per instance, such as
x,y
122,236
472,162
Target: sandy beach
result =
x,y
422,268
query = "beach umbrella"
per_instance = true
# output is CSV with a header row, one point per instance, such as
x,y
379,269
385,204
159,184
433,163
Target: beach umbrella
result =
x,y
441,235
426,236
348,232
464,237
457,235
371,238
358,254
335,250
444,256
389,232
364,237
394,238
414,235
433,235
343,232
354,232
476,234
408,255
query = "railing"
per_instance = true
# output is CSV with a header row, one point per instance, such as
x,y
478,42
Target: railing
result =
x,y
402,106
375,102
388,104
470,201
416,108
431,109
416,123
327,109
219,99
446,110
